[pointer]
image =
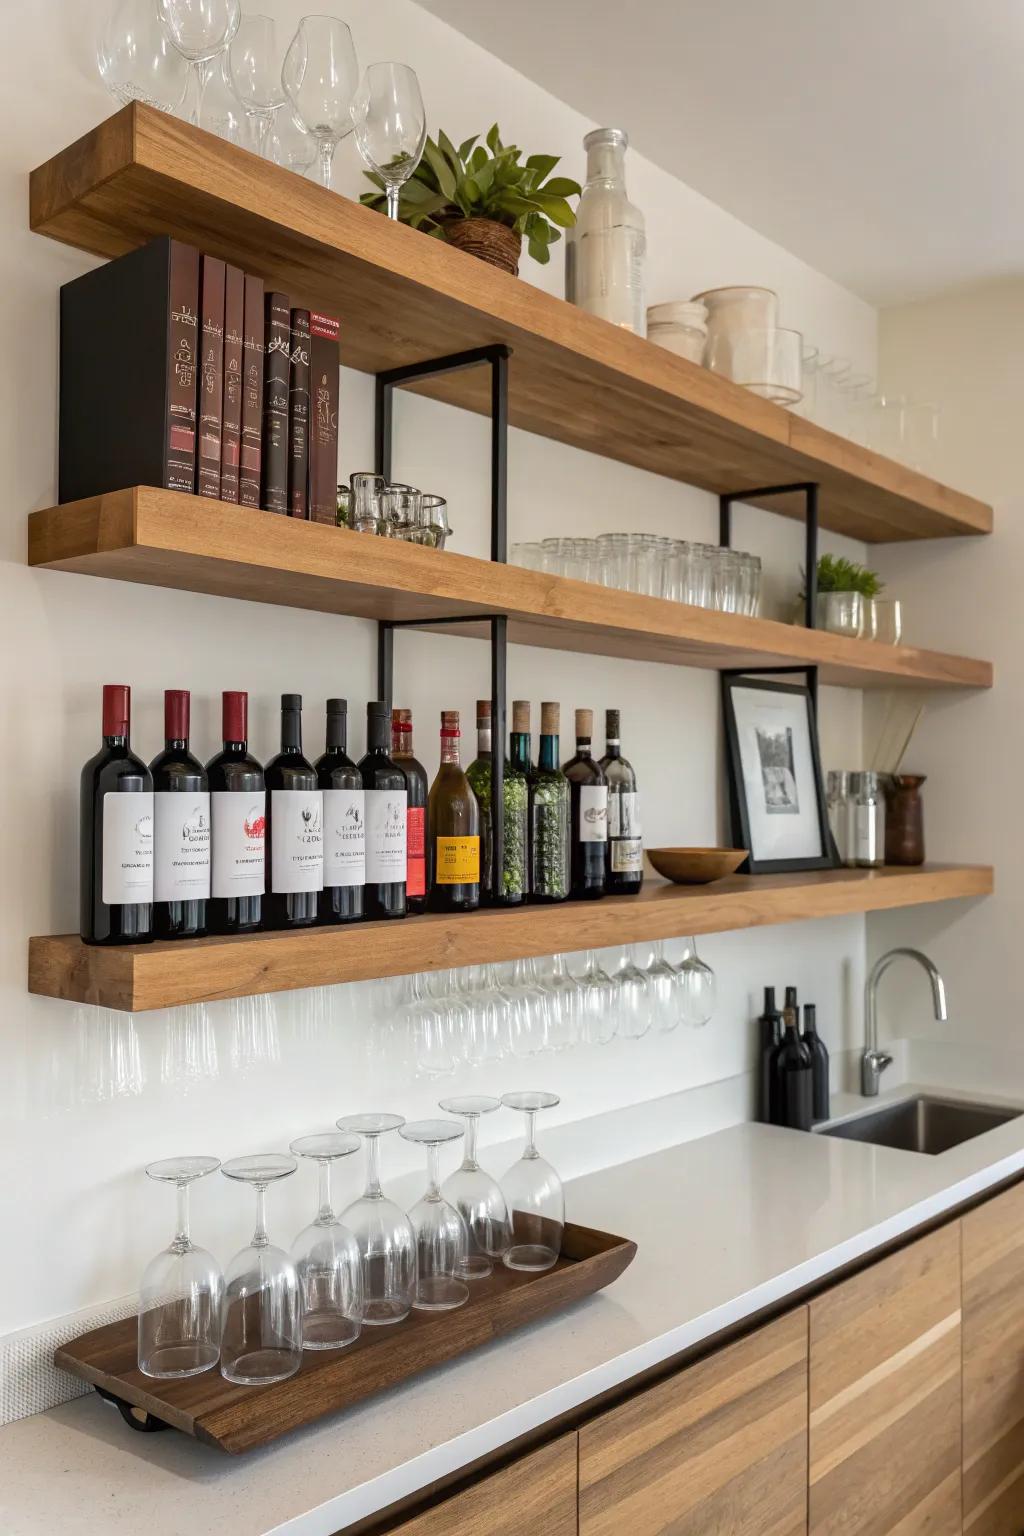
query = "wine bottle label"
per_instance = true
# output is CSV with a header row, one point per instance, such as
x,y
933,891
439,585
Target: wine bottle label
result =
x,y
239,834
593,813
296,840
624,813
627,856
385,836
127,848
458,861
416,851
181,851
344,837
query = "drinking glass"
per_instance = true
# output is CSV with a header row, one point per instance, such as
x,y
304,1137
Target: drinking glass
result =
x,y
320,75
765,360
726,572
391,126
596,1002
366,513
841,613
255,70
400,507
696,988
180,1295
261,1339
327,1257
441,1238
612,554
700,575
137,60
382,1230
562,1004
663,985
435,511
533,1193
528,555
632,999
474,1194
200,30
886,620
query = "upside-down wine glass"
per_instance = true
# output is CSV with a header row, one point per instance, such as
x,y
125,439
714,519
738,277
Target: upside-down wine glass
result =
x,y
261,1339
696,987
320,75
596,1002
391,126
632,998
200,30
255,71
441,1238
562,1004
180,1295
137,60
386,1239
327,1257
474,1194
664,983
533,1193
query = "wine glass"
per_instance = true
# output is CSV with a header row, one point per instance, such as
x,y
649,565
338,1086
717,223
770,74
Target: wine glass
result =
x,y
562,1004
180,1295
255,71
597,1002
327,1257
261,1339
632,998
696,988
496,1011
320,76
474,1194
137,60
290,146
223,113
427,1026
663,982
528,1009
386,1240
441,1239
533,1193
200,30
391,126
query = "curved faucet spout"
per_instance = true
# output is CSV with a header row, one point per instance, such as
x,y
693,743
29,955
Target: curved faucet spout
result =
x,y
874,1061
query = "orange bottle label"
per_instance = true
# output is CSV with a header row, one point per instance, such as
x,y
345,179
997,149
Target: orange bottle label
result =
x,y
458,861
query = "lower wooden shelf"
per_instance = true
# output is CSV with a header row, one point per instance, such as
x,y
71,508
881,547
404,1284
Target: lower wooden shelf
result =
x,y
167,975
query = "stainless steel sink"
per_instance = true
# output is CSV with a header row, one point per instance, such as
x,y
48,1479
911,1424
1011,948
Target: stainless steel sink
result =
x,y
922,1124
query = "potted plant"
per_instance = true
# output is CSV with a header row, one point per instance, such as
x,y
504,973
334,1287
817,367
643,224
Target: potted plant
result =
x,y
484,198
844,592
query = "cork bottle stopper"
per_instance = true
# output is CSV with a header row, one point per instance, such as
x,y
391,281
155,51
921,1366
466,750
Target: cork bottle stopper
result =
x,y
483,711
401,716
521,716
585,723
450,721
549,719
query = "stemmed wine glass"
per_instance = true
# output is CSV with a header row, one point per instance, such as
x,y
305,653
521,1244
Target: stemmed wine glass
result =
x,y
180,1295
253,64
391,126
663,982
137,60
697,988
474,1194
533,1193
597,1002
633,998
200,30
262,1312
441,1239
386,1239
528,1009
320,76
327,1257
562,1004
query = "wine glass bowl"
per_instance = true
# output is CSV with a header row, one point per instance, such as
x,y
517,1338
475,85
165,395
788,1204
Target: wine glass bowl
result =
x,y
697,988
390,126
533,1193
441,1238
632,998
200,30
262,1310
327,1258
254,67
320,76
137,60
180,1294
474,1194
387,1243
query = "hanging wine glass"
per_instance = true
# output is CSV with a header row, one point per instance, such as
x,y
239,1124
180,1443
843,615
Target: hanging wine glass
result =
x,y
632,999
180,1295
200,30
528,1009
597,1002
696,988
391,126
254,66
533,1193
663,982
137,60
562,1005
320,76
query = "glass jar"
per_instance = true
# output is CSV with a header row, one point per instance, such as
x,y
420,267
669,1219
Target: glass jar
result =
x,y
867,821
680,328
606,249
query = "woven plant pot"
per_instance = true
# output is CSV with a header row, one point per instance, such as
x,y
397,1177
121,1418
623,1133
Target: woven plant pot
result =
x,y
487,240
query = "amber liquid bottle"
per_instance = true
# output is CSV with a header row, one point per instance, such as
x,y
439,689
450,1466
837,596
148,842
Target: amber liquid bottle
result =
x,y
402,753
453,829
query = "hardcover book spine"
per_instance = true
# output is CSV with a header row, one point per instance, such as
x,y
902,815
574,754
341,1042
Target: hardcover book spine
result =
x,y
231,432
182,366
276,381
253,353
324,363
211,374
298,416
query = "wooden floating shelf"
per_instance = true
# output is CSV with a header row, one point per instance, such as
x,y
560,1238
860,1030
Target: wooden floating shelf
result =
x,y
167,975
404,298
166,538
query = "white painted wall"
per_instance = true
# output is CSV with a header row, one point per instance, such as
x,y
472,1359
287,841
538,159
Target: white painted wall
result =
x,y
87,1098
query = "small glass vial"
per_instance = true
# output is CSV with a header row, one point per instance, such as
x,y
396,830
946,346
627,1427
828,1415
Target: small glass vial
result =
x,y
867,821
606,249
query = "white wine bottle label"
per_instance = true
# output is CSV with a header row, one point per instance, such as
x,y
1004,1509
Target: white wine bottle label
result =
x,y
127,848
593,813
239,841
296,840
181,852
344,837
385,836
624,813
627,856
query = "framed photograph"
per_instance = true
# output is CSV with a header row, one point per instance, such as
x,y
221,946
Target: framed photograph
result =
x,y
775,785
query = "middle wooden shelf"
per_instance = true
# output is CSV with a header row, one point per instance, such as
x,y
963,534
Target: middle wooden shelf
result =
x,y
168,539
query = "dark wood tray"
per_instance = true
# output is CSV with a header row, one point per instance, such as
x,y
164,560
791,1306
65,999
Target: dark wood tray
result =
x,y
235,1419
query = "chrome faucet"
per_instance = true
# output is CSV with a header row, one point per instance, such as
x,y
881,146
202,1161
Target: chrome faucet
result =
x,y
874,1062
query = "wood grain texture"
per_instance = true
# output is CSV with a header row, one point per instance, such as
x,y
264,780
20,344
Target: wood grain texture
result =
x,y
534,1496
404,298
166,975
719,1447
993,1360
235,1419
885,1396
168,539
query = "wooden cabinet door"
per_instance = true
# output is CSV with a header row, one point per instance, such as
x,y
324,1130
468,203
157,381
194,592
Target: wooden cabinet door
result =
x,y
720,1448
534,1496
885,1396
993,1339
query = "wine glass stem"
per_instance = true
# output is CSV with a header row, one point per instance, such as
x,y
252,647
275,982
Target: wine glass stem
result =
x,y
393,201
433,1173
472,1129
373,1189
326,159
326,1211
262,133
181,1236
531,1134
259,1237
203,69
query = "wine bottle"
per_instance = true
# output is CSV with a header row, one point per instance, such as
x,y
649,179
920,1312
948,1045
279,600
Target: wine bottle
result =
x,y
549,816
453,829
815,1046
342,898
512,886
402,753
625,848
792,1078
238,816
116,834
588,813
181,829
769,1037
295,828
386,806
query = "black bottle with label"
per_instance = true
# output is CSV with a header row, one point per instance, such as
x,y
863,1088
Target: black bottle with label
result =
x,y
814,1044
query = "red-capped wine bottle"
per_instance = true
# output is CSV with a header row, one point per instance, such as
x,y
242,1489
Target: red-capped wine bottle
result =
x,y
238,818
403,753
588,813
295,828
181,829
386,805
342,898
116,832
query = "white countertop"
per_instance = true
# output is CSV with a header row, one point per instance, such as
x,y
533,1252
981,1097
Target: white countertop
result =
x,y
725,1225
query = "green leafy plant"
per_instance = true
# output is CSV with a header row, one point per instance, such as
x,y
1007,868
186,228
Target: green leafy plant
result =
x,y
837,574
484,181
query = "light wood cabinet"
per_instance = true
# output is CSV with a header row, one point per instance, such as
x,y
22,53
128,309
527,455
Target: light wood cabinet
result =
x,y
534,1496
720,1447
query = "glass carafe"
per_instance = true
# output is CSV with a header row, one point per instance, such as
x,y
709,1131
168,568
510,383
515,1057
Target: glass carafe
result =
x,y
606,250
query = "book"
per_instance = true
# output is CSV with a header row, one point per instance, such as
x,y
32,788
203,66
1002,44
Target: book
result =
x,y
324,382
231,431
211,373
298,415
250,458
129,348
276,381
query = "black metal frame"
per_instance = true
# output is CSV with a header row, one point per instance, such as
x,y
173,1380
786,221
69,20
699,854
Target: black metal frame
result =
x,y
147,1425
809,490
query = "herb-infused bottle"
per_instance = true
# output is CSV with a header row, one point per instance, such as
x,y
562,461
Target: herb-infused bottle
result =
x,y
453,829
549,816
588,819
513,879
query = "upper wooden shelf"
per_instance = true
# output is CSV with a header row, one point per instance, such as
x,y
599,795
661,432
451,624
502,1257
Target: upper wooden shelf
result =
x,y
404,298
166,538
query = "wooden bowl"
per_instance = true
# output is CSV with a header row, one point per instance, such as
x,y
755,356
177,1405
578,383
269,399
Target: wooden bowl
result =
x,y
696,866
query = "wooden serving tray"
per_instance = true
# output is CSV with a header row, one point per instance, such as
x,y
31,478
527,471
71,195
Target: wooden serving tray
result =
x,y
235,1419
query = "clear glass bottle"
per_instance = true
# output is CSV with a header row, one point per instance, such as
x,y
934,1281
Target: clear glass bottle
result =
x,y
606,249
453,829
514,878
549,815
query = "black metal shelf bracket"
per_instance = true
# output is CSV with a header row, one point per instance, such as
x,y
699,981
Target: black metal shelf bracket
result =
x,y
136,1418
809,490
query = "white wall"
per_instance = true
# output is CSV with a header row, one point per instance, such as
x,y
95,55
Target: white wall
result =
x,y
86,1098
